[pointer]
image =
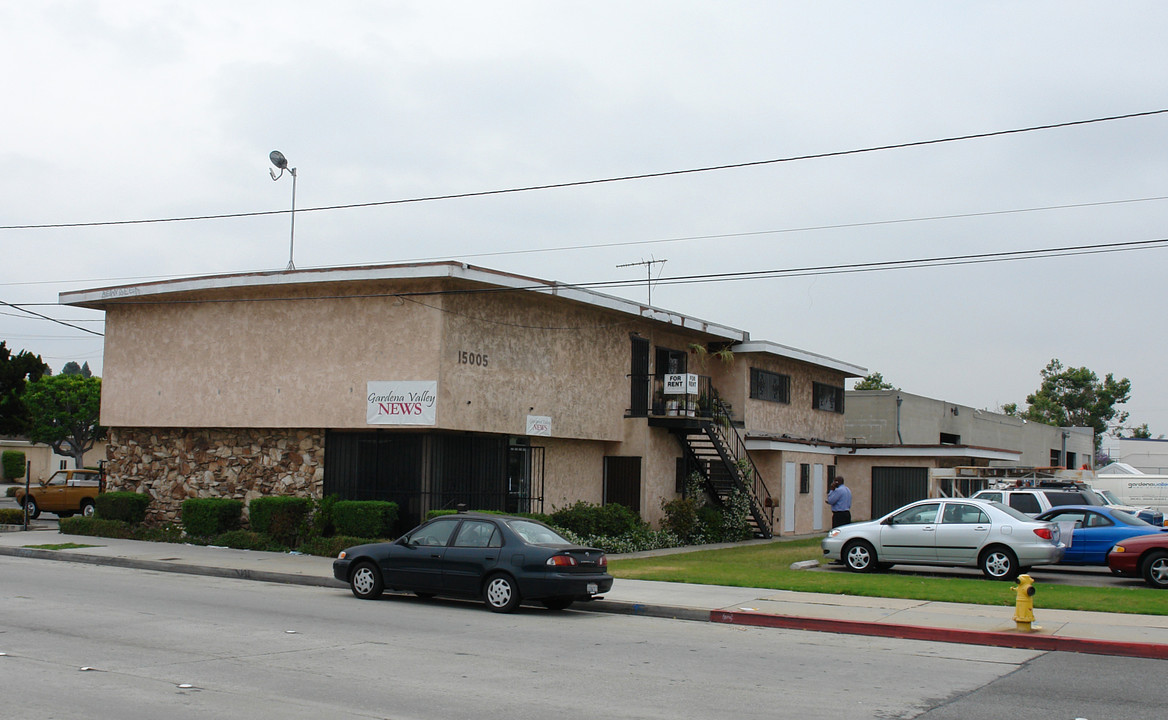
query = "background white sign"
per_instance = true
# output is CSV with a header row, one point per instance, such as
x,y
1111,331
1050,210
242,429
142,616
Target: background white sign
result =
x,y
540,425
401,402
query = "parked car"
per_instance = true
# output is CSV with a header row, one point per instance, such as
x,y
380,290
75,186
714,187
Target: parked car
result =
x,y
1144,556
1147,514
505,560
948,531
66,493
1034,500
1094,530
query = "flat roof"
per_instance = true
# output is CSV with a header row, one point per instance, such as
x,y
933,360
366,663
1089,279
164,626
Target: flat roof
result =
x,y
157,291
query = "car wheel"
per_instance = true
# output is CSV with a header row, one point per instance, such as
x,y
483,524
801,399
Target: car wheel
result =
x,y
557,603
999,563
1156,570
501,594
859,556
366,582
31,507
87,508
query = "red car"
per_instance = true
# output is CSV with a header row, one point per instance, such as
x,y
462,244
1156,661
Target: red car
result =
x,y
1143,556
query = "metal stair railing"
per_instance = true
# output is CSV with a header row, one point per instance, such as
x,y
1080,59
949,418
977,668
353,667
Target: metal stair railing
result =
x,y
732,448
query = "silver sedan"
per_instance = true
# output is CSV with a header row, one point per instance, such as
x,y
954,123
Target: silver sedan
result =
x,y
948,531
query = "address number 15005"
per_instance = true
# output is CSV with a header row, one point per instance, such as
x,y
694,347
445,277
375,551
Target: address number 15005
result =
x,y
466,357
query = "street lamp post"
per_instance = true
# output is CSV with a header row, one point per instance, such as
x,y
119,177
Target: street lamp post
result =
x,y
281,162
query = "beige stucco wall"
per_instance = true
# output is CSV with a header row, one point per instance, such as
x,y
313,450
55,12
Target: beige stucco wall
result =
x,y
797,418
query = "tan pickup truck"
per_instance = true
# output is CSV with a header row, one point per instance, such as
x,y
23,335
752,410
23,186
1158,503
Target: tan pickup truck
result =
x,y
66,493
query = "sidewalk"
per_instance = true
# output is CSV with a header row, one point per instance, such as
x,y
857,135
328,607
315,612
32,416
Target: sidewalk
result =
x,y
1066,630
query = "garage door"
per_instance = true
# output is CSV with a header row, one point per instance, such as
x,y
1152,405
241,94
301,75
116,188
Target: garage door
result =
x,y
893,487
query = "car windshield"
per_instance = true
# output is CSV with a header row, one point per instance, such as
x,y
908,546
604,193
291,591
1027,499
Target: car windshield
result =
x,y
536,534
1111,497
1012,512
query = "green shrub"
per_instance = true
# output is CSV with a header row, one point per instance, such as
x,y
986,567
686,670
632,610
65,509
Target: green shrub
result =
x,y
681,518
330,547
12,464
321,524
96,527
364,518
284,517
246,540
204,517
586,519
11,516
122,505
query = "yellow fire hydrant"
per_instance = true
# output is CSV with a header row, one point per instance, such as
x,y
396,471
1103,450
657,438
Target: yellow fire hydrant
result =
x,y
1024,605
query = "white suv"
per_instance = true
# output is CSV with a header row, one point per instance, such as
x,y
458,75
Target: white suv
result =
x,y
1035,500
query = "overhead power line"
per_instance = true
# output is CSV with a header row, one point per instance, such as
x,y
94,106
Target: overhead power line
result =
x,y
54,320
599,181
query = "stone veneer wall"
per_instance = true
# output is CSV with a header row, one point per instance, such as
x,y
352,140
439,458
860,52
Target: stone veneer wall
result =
x,y
173,464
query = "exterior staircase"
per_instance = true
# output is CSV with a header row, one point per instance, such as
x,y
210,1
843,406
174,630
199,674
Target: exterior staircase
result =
x,y
715,448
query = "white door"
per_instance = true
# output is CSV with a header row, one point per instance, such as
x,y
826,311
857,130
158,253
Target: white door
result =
x,y
818,493
790,480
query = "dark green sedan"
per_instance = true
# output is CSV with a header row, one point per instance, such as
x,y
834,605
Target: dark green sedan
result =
x,y
504,560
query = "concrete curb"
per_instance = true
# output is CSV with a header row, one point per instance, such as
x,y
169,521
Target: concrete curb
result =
x,y
163,566
950,635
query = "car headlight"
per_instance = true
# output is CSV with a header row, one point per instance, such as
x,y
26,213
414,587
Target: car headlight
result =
x,y
834,533
1118,548
341,555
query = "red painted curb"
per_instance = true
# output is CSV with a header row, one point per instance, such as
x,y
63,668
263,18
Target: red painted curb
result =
x,y
970,637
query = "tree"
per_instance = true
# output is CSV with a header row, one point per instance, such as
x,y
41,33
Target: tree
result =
x,y
875,381
15,372
1076,397
1142,432
72,368
63,413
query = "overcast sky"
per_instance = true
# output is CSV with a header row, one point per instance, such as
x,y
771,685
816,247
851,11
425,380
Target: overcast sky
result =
x,y
130,110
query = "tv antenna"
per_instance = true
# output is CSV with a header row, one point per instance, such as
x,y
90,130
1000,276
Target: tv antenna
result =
x,y
648,273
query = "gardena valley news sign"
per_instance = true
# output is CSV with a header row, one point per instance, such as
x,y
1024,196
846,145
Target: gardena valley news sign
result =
x,y
401,402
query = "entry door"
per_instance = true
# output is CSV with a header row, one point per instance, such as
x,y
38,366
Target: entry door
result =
x,y
818,493
790,479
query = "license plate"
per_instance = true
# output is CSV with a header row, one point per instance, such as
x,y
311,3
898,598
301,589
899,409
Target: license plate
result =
x,y
593,588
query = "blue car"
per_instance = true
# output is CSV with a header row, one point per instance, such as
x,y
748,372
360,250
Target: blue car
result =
x,y
1096,530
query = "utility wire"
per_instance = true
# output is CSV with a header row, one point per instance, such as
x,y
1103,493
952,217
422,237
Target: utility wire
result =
x,y
598,181
46,317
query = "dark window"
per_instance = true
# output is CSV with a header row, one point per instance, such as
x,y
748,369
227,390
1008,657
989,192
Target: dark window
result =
x,y
830,474
1025,503
1071,460
622,482
669,362
639,378
770,386
804,478
950,439
827,397
1055,456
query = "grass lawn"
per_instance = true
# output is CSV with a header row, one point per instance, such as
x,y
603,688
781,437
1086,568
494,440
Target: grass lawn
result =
x,y
768,566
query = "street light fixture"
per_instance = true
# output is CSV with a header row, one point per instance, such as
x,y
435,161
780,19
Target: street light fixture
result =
x,y
281,162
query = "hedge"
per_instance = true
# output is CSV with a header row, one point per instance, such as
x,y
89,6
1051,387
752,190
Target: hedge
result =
x,y
204,517
12,464
364,518
586,519
11,516
122,505
96,527
284,517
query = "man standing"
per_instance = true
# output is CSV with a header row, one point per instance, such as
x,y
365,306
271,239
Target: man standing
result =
x,y
840,499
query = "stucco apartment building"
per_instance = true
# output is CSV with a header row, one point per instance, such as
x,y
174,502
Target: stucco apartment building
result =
x,y
442,383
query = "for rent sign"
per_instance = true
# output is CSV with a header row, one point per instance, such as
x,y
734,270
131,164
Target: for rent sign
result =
x,y
402,402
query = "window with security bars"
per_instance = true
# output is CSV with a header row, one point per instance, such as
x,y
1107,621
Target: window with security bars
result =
x,y
770,386
804,478
827,397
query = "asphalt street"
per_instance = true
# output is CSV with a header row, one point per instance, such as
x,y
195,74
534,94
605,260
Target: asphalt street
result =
x,y
127,643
